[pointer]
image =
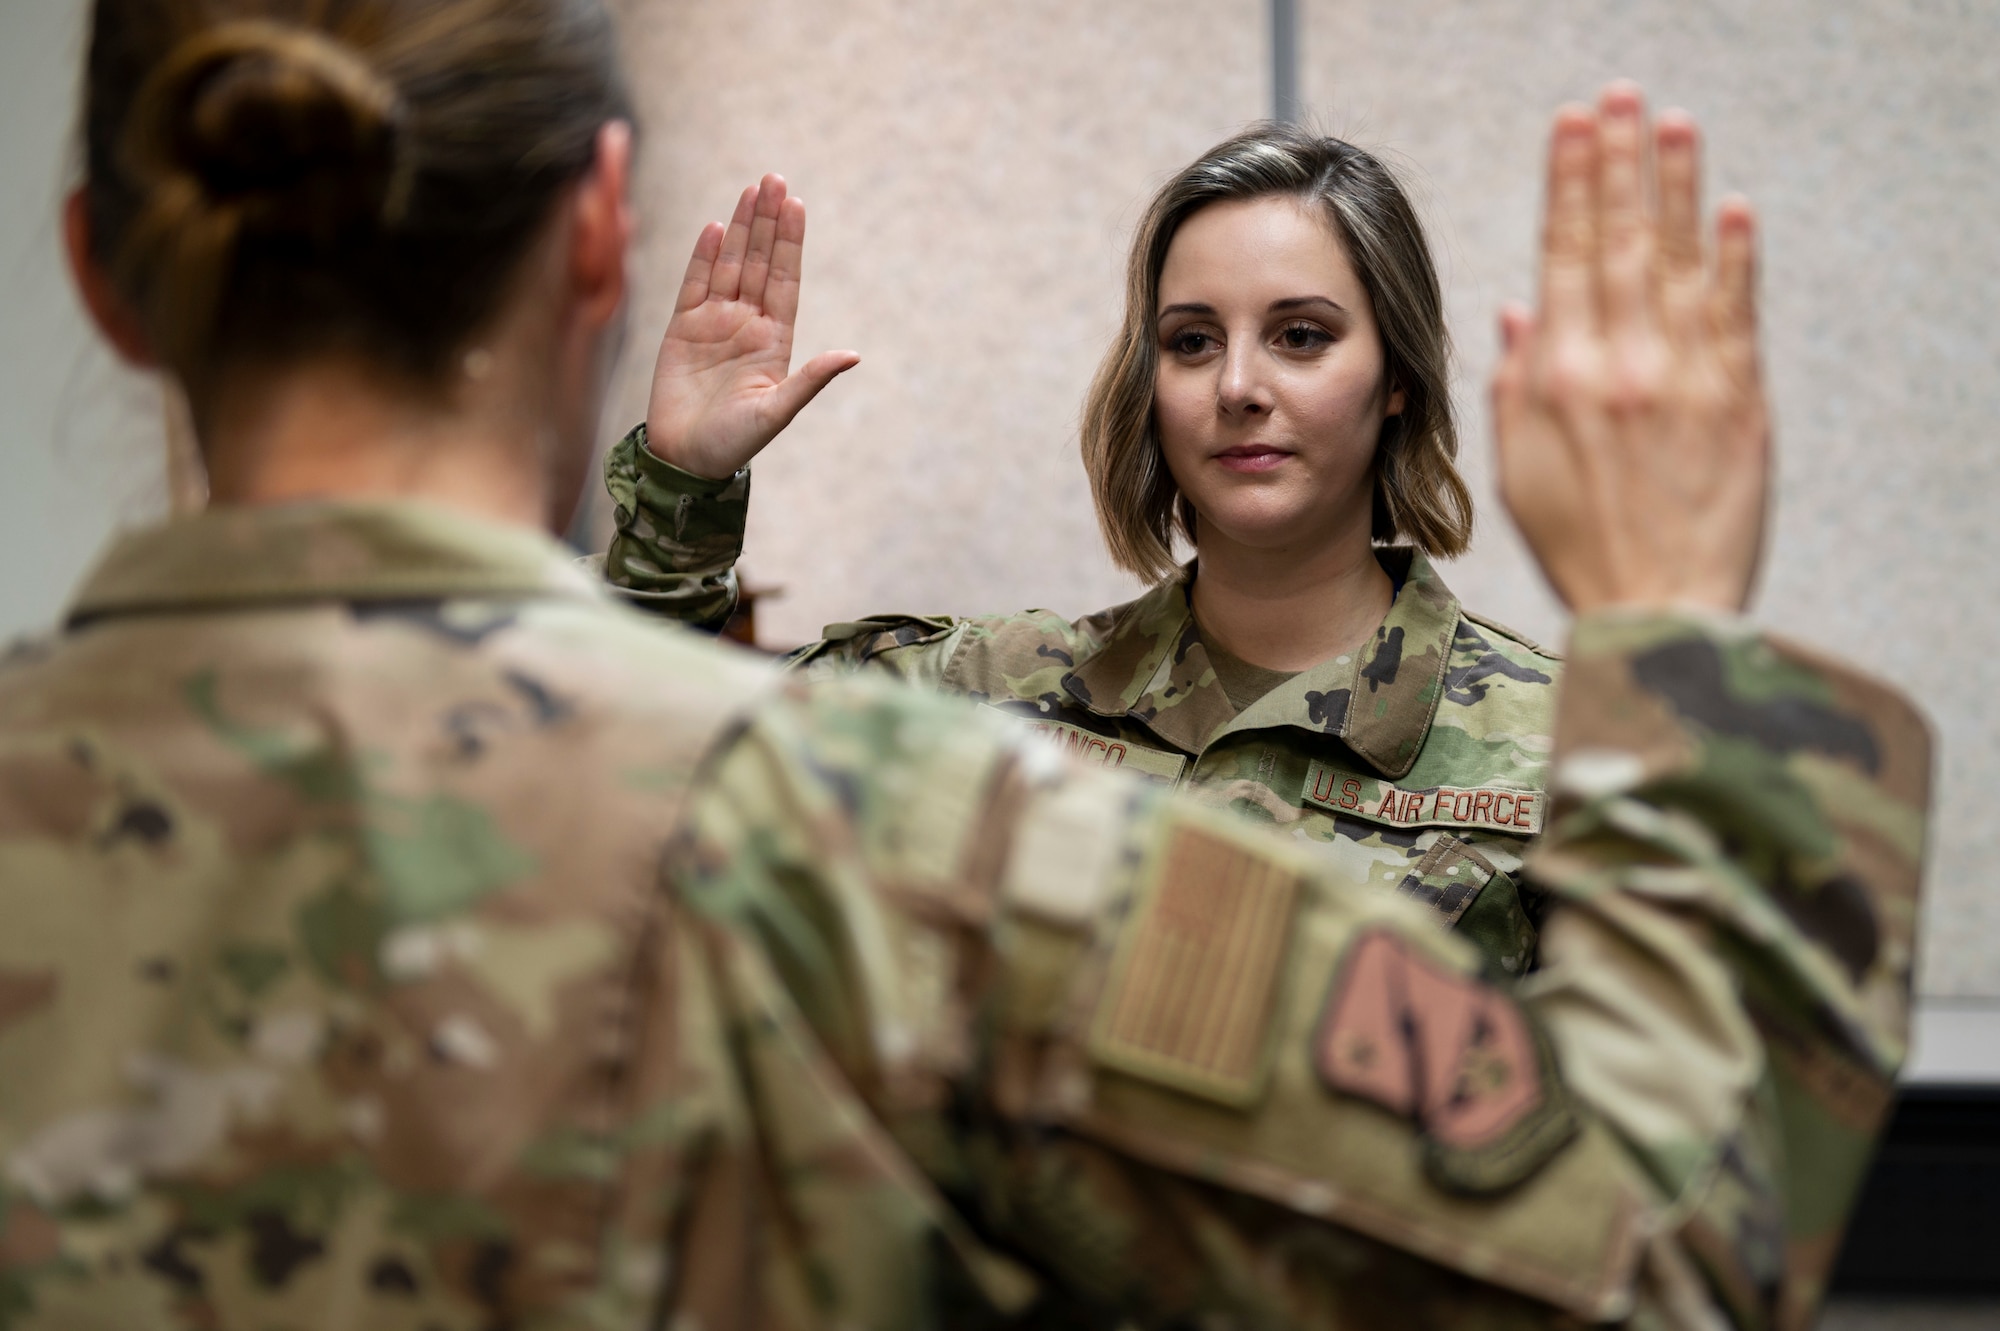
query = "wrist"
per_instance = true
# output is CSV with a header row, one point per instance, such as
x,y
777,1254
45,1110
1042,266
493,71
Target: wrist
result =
x,y
654,465
662,446
1622,583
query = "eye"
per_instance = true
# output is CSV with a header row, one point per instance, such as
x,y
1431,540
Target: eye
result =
x,y
1190,342
1304,337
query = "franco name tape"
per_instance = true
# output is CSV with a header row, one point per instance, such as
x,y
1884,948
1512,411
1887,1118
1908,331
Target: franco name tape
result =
x,y
1502,808
1100,751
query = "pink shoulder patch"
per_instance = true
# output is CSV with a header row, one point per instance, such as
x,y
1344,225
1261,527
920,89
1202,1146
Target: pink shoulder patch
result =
x,y
1450,1052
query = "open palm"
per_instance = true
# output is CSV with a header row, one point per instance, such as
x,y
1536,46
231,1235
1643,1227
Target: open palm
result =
x,y
1629,409
722,387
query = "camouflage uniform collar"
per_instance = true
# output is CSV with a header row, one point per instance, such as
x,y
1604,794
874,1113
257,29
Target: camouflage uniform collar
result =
x,y
325,550
1154,669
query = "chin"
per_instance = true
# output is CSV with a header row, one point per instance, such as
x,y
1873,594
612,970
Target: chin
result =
x,y
1261,529
1275,517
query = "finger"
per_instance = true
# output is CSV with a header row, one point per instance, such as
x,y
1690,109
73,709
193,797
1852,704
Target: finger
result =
x,y
726,282
791,396
1511,380
1569,226
1517,335
701,264
1733,297
1625,230
1677,153
763,235
781,293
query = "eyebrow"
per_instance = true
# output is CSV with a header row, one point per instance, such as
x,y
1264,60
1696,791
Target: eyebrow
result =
x,y
1277,306
1305,302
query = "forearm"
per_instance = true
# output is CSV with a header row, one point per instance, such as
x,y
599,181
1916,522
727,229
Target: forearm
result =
x,y
674,550
677,536
1737,837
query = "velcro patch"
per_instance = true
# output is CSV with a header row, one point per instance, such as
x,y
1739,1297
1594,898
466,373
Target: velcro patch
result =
x,y
1449,1051
1082,745
1190,997
1502,808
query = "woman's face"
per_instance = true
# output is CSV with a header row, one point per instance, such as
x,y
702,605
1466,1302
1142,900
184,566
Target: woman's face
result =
x,y
1271,391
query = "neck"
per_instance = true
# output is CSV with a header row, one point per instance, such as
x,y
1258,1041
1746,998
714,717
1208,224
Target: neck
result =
x,y
334,431
1286,608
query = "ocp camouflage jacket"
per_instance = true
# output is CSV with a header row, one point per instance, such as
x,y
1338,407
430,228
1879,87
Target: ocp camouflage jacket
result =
x,y
396,935
1416,764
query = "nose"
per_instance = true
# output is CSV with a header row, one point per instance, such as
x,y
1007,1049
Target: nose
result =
x,y
1241,393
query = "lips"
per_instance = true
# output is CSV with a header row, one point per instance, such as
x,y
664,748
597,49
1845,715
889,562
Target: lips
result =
x,y
1251,458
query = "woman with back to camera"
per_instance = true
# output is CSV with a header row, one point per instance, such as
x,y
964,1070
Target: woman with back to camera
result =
x,y
1278,395
322,1005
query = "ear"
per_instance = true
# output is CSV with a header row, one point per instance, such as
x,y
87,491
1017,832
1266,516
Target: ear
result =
x,y
602,230
108,310
1396,400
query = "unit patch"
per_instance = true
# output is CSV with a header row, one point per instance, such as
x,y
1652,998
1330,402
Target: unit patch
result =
x,y
1452,1053
1190,997
1082,745
1503,808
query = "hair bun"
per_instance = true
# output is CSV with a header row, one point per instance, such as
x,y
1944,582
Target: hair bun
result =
x,y
290,130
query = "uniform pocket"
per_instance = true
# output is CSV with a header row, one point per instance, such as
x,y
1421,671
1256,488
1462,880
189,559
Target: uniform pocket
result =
x,y
1477,899
1448,879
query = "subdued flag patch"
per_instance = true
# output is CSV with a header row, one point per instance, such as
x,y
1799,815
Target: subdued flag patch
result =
x,y
1190,998
1449,1051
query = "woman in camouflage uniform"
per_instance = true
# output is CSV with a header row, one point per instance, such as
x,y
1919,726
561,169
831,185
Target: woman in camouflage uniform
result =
x,y
1278,396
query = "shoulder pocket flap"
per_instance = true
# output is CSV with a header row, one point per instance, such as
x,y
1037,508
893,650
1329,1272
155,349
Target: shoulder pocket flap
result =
x,y
1448,879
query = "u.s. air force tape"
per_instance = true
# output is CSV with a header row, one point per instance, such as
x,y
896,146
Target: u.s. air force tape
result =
x,y
1502,808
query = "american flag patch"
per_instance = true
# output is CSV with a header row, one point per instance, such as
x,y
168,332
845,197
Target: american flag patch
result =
x,y
1192,985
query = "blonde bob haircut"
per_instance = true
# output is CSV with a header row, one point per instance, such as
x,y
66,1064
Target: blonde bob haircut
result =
x,y
1419,495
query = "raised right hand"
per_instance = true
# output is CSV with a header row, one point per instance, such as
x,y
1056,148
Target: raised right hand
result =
x,y
721,390
1633,431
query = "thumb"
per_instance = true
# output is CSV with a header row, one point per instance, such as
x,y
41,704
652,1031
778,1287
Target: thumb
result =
x,y
790,397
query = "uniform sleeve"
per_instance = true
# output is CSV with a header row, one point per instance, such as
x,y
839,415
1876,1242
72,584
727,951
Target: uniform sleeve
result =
x,y
1183,1072
1737,839
674,550
677,535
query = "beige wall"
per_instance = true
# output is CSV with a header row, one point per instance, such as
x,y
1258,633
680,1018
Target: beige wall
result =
x,y
80,439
